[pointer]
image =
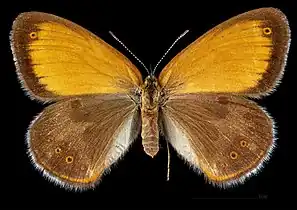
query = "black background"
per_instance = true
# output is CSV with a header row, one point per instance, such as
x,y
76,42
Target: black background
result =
x,y
148,29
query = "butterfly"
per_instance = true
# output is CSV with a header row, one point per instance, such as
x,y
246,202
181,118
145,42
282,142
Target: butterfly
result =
x,y
99,102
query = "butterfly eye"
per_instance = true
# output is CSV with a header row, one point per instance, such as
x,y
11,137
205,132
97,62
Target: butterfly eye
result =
x,y
69,159
138,92
267,31
145,83
33,35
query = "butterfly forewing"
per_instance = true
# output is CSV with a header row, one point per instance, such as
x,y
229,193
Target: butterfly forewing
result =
x,y
58,58
244,55
75,140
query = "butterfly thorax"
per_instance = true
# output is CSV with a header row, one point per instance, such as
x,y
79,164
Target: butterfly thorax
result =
x,y
149,114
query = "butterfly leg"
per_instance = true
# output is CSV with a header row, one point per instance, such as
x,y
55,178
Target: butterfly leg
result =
x,y
168,161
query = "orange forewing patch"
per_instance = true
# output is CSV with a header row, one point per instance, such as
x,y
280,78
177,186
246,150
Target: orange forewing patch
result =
x,y
243,55
56,57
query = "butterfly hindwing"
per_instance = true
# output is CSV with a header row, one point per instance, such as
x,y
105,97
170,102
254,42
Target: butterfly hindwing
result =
x,y
226,137
75,140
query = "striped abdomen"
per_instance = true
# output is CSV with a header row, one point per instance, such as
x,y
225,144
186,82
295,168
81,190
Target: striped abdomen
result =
x,y
150,132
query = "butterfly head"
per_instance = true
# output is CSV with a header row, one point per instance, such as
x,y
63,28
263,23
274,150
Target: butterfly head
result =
x,y
151,82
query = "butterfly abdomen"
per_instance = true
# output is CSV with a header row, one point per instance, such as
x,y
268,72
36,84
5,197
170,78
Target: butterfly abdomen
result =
x,y
149,116
150,133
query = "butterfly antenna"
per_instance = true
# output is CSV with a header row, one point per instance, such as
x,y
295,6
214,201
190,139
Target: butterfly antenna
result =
x,y
178,38
116,38
151,70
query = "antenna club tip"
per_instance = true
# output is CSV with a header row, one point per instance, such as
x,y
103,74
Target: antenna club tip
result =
x,y
186,31
111,33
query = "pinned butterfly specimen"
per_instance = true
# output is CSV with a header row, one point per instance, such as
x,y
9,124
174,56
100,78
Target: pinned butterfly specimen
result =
x,y
200,101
